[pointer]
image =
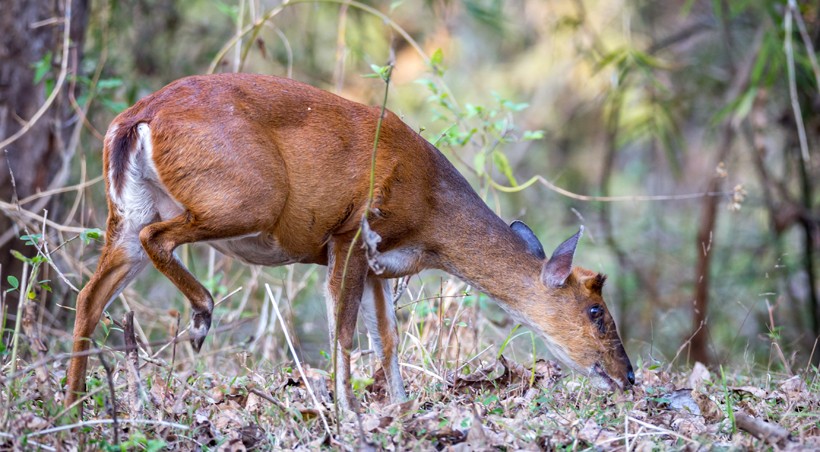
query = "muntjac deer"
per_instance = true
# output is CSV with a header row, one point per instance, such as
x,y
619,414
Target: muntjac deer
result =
x,y
272,171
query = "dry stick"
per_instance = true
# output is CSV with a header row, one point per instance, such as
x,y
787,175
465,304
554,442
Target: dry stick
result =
x,y
173,360
43,251
135,393
801,25
628,198
23,290
787,47
683,347
769,432
296,359
359,231
238,55
626,432
61,356
28,442
7,208
272,400
776,345
109,421
811,355
173,341
663,431
341,50
113,402
56,191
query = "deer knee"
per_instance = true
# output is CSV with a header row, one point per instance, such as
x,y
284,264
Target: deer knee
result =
x,y
155,244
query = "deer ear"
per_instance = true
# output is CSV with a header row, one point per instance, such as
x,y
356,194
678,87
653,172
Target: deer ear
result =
x,y
557,269
526,234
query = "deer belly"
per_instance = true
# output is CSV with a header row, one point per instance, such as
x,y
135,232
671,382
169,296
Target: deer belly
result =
x,y
256,249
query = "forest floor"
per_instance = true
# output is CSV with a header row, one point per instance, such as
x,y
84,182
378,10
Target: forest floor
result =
x,y
495,405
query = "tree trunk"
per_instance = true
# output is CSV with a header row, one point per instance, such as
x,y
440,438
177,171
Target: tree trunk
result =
x,y
32,40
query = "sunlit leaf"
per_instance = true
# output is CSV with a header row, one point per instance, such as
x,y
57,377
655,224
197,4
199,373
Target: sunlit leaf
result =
x,y
479,161
503,165
19,256
530,135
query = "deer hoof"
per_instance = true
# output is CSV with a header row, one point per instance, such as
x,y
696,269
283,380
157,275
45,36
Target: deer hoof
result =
x,y
201,323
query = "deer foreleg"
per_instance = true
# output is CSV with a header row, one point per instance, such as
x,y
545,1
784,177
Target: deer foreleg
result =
x,y
345,285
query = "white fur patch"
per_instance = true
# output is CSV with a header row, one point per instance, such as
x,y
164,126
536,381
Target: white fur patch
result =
x,y
142,198
400,261
369,312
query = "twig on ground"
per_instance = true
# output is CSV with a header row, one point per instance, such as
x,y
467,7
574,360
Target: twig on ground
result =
x,y
173,360
28,442
109,421
135,390
762,430
113,400
319,407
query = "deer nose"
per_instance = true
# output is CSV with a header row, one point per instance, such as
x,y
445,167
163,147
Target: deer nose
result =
x,y
630,376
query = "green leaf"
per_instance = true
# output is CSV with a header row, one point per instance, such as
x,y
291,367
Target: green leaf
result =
x,y
382,72
437,57
13,282
42,67
115,107
612,58
479,161
437,62
109,83
155,445
507,340
49,86
32,239
31,295
229,10
530,135
19,256
503,165
91,234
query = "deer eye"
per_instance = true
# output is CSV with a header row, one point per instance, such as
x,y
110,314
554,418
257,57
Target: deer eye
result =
x,y
596,315
595,312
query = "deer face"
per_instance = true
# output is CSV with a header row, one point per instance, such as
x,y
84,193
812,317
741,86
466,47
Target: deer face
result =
x,y
570,313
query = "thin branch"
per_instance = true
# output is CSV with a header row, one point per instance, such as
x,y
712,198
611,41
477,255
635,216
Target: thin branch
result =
x,y
108,421
766,431
627,198
319,407
8,208
77,187
28,442
801,25
798,115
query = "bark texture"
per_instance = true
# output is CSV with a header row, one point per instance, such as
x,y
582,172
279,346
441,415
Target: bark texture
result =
x,y
32,30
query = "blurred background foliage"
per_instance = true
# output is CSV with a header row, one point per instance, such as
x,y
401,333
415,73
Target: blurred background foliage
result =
x,y
671,126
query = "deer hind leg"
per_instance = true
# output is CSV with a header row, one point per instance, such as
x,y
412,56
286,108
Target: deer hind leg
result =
x,y
380,318
161,239
120,262
345,285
